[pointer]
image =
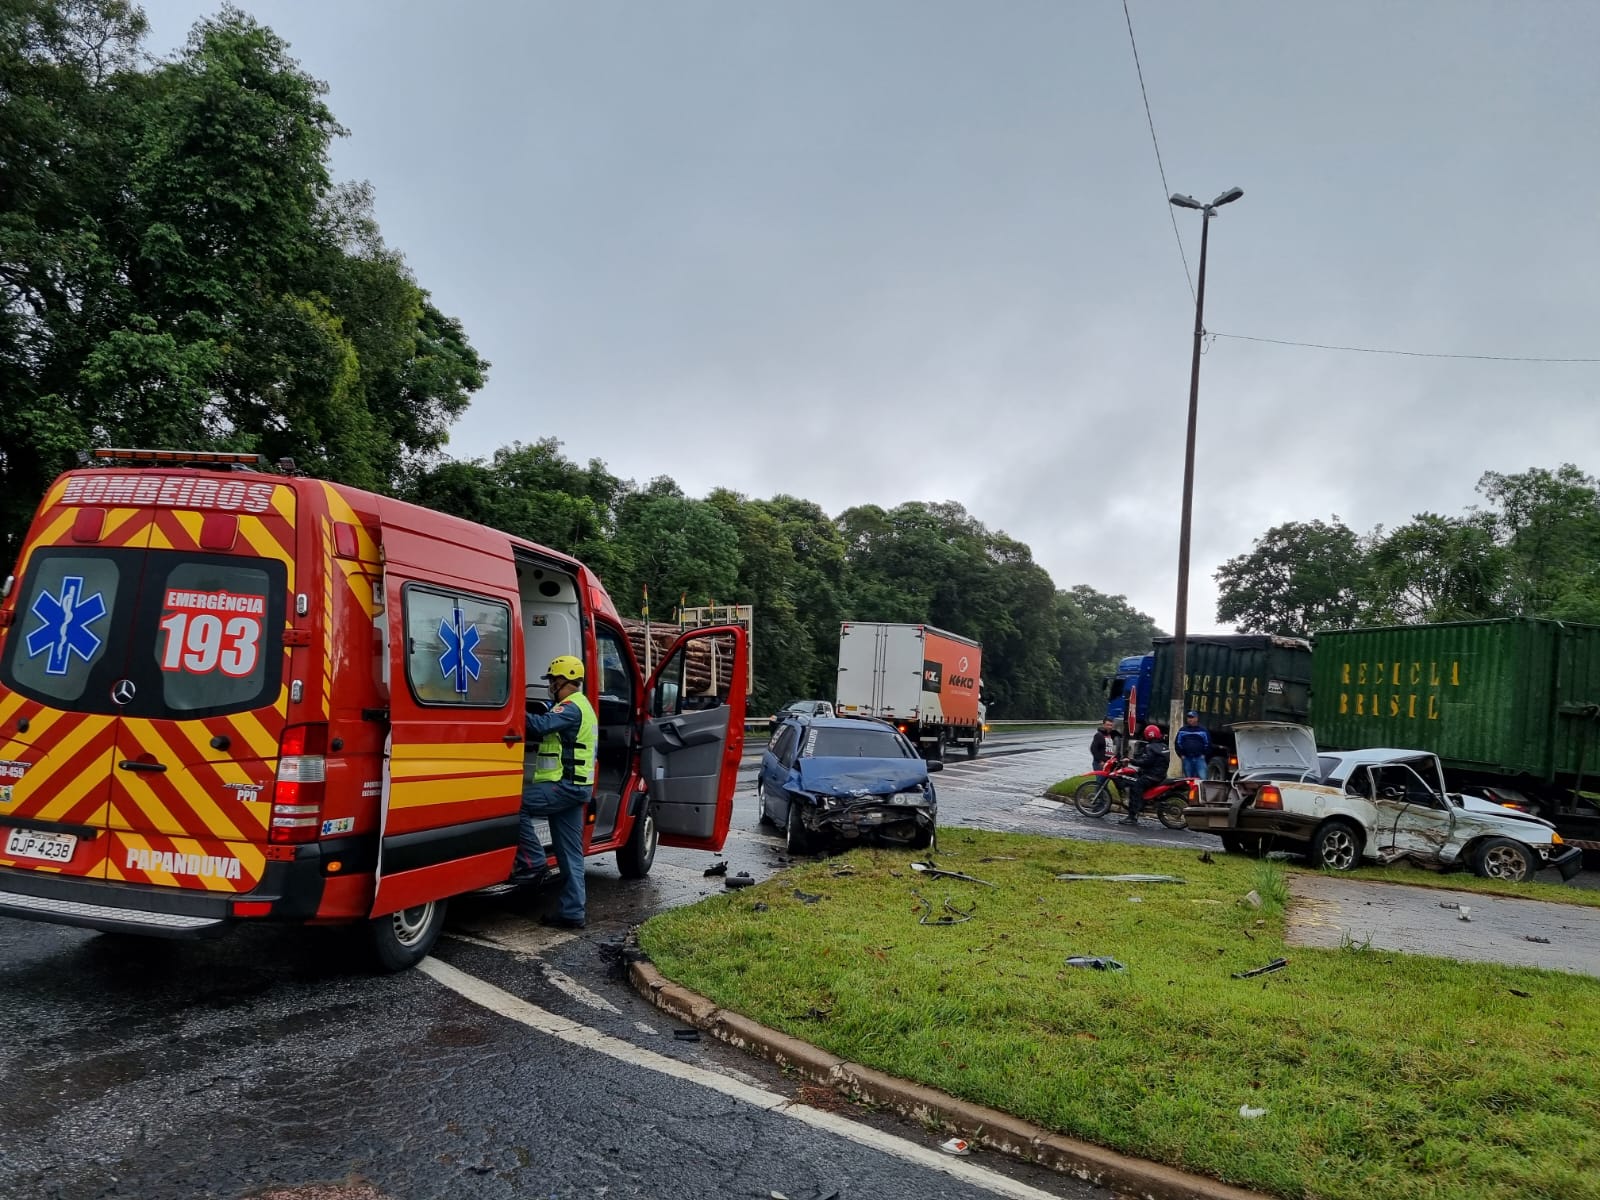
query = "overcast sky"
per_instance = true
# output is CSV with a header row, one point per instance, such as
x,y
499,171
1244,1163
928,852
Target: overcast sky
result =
x,y
881,250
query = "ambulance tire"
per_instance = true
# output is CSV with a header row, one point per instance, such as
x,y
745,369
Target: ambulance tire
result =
x,y
403,939
639,851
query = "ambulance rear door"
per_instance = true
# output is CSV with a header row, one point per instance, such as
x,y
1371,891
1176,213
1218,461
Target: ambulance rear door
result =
x,y
693,736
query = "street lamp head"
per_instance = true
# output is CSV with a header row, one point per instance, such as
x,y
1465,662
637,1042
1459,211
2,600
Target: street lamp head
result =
x,y
1227,197
1179,200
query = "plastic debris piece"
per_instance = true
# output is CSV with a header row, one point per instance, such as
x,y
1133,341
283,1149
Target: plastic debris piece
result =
x,y
1465,911
928,868
806,897
952,914
758,906
1125,878
1448,904
741,880
957,1146
1250,1114
1531,937
776,1196
717,868
1135,899
1276,964
686,1035
1098,962
1253,898
1524,995
1205,857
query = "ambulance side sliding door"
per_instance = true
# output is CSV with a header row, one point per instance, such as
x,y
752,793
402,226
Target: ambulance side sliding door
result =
x,y
456,738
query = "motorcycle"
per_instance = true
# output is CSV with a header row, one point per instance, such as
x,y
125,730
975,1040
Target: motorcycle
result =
x,y
1167,799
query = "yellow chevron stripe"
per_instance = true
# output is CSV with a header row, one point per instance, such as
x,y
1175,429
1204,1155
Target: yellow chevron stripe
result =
x,y
266,545
96,775
408,762
217,822
454,791
190,522
117,518
261,743
74,790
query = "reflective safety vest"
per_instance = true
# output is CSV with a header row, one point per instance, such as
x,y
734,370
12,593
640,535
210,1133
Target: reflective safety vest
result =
x,y
559,760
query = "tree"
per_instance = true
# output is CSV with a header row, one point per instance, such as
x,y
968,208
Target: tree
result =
x,y
1437,568
1549,523
1300,577
177,267
1094,631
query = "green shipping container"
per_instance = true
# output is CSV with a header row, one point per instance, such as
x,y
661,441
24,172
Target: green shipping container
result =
x,y
1509,698
1235,677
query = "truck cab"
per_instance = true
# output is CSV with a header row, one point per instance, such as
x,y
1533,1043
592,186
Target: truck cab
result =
x,y
1132,678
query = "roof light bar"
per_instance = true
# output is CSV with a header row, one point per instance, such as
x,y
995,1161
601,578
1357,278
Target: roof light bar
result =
x,y
221,457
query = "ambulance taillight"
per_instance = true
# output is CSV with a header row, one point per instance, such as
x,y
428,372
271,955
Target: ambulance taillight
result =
x,y
302,777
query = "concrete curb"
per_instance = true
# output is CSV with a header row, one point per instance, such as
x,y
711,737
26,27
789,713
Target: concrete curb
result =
x,y
987,1127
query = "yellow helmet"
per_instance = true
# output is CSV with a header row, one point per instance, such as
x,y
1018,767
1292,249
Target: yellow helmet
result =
x,y
565,667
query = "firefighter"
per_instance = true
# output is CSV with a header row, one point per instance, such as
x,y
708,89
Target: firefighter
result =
x,y
562,786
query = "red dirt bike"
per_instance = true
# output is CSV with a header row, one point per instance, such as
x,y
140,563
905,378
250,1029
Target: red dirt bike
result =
x,y
1167,799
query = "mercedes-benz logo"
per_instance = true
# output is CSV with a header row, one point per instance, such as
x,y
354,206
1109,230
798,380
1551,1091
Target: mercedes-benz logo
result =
x,y
122,691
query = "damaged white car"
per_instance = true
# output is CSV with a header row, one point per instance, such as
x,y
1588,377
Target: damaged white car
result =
x,y
1343,808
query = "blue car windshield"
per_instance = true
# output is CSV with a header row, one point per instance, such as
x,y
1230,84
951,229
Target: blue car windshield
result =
x,y
865,742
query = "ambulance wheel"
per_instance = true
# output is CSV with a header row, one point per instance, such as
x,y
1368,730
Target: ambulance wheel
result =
x,y
402,939
639,852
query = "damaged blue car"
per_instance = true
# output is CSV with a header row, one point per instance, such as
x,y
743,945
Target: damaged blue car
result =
x,y
831,780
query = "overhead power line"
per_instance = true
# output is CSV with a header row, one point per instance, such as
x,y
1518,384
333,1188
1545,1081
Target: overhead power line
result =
x,y
1526,358
1165,190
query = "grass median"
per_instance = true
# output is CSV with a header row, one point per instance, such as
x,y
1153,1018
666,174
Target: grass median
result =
x,y
1382,1075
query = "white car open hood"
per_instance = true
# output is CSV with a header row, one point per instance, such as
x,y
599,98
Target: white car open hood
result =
x,y
1275,745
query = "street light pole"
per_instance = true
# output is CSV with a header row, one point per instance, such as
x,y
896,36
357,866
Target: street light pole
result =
x,y
1180,624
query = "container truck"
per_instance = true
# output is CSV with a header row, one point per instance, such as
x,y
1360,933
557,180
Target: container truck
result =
x,y
1230,678
928,682
1511,707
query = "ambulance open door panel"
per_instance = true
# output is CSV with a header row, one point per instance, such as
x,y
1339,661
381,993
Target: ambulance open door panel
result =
x,y
693,736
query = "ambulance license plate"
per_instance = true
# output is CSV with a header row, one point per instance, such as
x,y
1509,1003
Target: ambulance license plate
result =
x,y
51,847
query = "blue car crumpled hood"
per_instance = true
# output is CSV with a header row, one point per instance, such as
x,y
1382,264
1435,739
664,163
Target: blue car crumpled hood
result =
x,y
860,778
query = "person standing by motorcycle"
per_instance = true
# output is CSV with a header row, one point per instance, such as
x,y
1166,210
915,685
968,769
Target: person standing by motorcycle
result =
x,y
1103,745
1192,745
1151,760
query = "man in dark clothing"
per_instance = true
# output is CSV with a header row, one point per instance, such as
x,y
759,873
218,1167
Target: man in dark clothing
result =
x,y
1103,744
1192,743
1151,758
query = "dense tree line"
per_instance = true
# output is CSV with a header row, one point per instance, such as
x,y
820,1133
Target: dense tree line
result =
x,y
1045,651
1532,548
178,268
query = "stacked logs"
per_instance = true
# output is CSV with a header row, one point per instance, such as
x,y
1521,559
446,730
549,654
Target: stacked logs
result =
x,y
701,665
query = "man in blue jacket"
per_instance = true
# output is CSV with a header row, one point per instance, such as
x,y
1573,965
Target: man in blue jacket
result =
x,y
1192,744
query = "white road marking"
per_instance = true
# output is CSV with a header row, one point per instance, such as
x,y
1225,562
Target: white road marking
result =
x,y
514,935
577,991
576,1033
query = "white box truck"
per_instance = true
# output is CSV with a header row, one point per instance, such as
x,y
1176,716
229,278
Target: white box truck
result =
x,y
928,682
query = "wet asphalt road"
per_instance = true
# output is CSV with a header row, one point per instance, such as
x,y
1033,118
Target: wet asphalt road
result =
x,y
271,1060
271,1064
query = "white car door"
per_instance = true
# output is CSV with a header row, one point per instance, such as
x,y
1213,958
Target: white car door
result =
x,y
1412,815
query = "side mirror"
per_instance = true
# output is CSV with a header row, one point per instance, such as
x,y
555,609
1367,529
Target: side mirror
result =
x,y
935,764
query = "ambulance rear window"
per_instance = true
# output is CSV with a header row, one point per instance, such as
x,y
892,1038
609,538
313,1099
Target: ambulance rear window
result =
x,y
65,620
213,644
152,634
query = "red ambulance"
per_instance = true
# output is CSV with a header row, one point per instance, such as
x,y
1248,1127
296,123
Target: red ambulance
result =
x,y
229,694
